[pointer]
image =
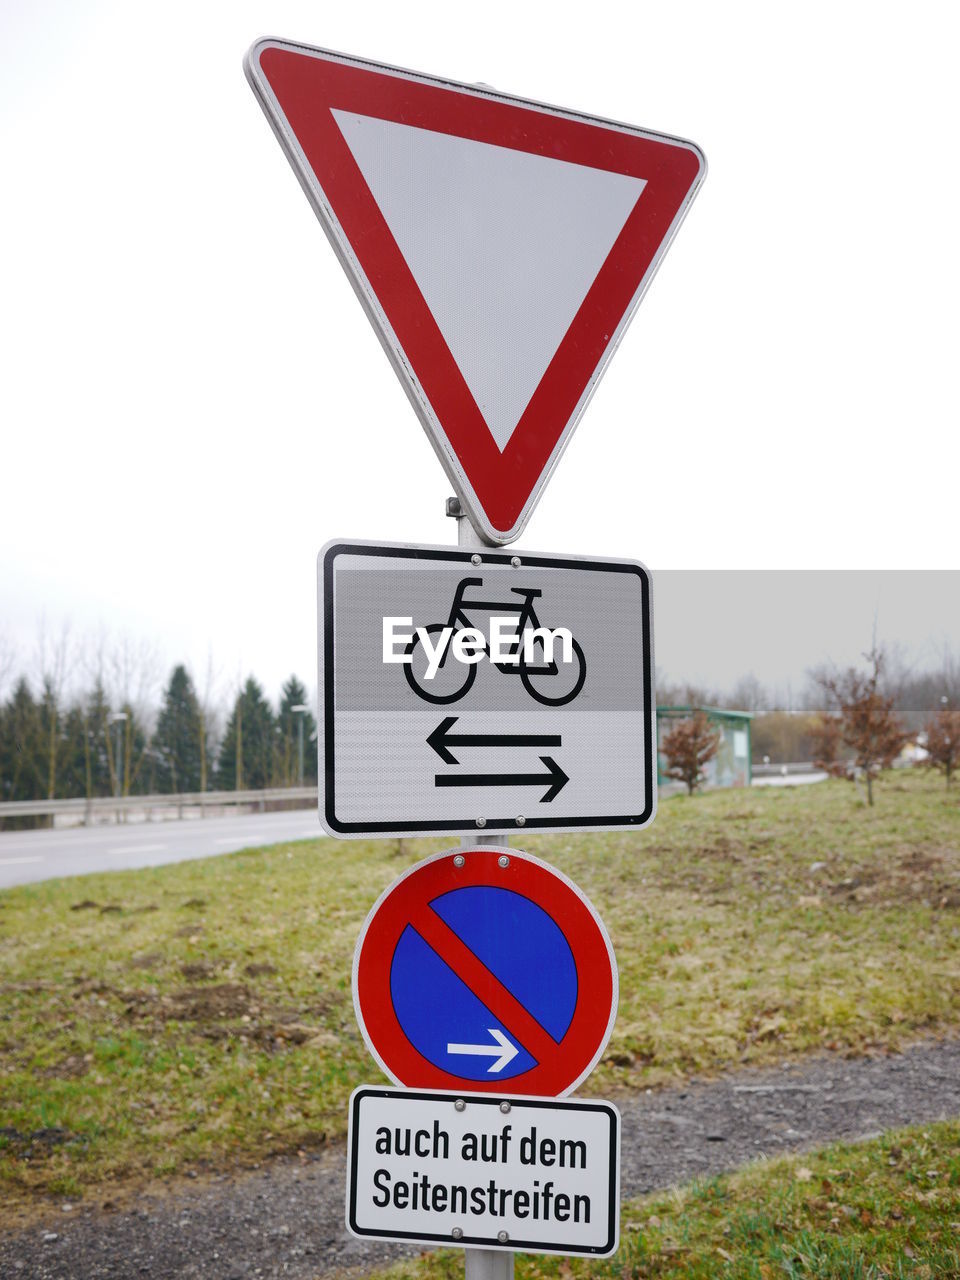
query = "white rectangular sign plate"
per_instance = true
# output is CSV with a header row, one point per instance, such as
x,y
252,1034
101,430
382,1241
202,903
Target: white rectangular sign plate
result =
x,y
541,1176
465,691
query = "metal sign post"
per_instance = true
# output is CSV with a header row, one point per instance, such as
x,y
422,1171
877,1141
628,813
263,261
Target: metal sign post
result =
x,y
480,1264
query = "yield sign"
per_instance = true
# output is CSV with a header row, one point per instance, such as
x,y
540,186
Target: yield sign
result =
x,y
499,246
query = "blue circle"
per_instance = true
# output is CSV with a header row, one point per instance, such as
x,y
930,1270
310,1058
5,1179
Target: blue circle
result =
x,y
521,945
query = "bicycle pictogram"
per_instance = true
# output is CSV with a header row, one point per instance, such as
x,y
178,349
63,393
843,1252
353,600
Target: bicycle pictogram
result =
x,y
550,682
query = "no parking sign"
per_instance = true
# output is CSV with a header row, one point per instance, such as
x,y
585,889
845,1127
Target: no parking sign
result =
x,y
485,969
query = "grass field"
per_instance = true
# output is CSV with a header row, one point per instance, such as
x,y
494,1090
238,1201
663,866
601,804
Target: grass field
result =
x,y
200,1014
884,1210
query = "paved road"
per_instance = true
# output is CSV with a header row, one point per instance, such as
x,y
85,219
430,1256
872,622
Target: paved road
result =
x,y
285,1220
27,856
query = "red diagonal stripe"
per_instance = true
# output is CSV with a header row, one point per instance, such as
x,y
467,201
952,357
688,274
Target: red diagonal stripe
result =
x,y
485,986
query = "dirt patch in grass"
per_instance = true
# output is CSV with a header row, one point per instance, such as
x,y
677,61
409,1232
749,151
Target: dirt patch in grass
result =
x,y
197,970
189,931
190,1004
928,876
38,1141
69,1068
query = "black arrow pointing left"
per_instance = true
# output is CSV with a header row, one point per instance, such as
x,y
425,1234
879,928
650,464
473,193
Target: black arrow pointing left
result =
x,y
442,740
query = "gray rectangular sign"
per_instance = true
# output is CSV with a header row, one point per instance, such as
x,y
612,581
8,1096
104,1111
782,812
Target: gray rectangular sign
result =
x,y
484,1171
483,691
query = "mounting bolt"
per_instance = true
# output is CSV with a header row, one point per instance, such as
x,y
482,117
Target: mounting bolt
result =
x,y
521,821
459,860
503,861
459,1105
476,558
505,1108
503,1236
515,561
457,1233
481,822
453,508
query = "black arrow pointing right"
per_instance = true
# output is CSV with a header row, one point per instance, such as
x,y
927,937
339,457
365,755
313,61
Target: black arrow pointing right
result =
x,y
442,740
554,776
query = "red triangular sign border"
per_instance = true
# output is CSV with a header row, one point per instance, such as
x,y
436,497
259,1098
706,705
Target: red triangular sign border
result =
x,y
299,87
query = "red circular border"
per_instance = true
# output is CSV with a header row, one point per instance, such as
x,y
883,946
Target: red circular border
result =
x,y
597,985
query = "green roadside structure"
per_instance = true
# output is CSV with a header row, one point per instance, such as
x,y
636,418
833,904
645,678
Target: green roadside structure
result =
x,y
731,766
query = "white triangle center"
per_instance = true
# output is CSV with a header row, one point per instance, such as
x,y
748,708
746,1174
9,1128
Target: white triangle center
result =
x,y
503,245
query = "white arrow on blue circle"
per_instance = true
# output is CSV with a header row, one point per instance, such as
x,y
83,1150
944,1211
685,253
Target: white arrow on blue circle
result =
x,y
504,1051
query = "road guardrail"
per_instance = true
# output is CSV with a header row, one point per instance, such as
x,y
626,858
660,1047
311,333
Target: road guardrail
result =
x,y
783,770
115,806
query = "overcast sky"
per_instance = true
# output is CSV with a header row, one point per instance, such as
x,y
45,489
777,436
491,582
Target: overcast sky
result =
x,y
194,402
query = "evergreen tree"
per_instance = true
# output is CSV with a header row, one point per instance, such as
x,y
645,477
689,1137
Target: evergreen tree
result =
x,y
135,775
178,740
21,744
250,741
97,775
71,777
21,752
288,734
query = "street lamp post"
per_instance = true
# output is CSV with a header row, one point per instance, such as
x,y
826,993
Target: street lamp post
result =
x,y
300,710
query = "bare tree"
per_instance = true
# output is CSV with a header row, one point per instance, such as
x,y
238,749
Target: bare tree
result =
x,y
685,694
8,660
123,678
868,724
943,740
783,736
53,656
826,737
136,673
210,703
749,695
949,674
135,676
688,746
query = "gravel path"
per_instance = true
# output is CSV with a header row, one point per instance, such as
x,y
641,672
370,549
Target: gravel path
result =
x,y
287,1219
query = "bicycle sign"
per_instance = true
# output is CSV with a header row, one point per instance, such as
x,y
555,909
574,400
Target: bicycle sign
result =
x,y
484,691
517,654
